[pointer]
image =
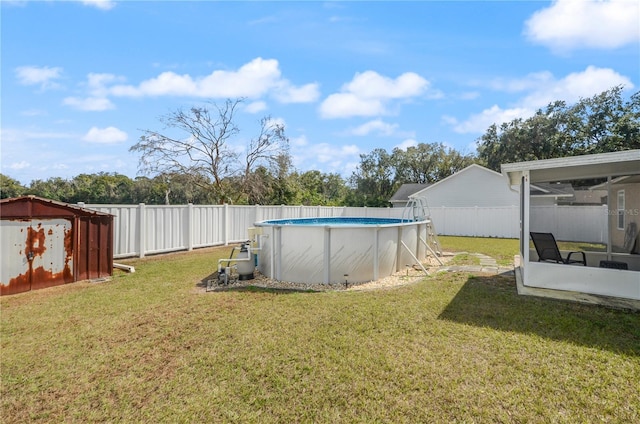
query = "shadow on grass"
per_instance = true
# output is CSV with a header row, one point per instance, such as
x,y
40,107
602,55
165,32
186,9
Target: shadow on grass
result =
x,y
493,301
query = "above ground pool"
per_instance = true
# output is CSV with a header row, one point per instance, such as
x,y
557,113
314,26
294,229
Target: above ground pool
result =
x,y
338,249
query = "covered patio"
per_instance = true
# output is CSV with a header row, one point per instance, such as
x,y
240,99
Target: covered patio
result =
x,y
611,274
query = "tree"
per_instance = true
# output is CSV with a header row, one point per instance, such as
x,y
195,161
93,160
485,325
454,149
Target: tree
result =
x,y
10,187
269,149
204,148
317,188
600,124
427,163
372,182
102,188
282,188
55,188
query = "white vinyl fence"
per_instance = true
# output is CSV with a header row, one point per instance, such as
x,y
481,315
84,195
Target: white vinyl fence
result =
x,y
571,223
139,230
148,229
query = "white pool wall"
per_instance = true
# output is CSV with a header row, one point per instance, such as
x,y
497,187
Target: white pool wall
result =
x,y
323,254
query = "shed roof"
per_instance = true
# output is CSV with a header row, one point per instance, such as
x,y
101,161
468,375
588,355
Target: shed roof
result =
x,y
575,167
33,206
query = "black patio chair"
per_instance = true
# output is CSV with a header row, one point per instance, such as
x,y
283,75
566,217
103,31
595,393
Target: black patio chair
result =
x,y
547,249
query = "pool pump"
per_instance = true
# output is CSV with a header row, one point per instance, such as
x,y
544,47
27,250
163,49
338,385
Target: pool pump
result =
x,y
244,264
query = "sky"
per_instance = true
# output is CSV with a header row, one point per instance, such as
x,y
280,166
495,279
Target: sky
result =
x,y
82,80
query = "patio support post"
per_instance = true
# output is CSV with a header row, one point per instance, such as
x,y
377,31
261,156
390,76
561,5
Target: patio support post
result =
x,y
609,206
526,202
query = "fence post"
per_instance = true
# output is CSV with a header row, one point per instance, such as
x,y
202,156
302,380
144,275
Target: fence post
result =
x,y
190,229
142,234
225,224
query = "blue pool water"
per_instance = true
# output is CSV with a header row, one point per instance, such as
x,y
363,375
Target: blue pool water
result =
x,y
339,220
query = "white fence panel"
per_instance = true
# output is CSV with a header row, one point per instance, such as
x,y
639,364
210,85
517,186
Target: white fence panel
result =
x,y
208,225
166,228
143,229
477,221
373,212
572,223
240,218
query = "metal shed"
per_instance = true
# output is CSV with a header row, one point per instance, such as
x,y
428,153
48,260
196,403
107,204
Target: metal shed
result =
x,y
46,243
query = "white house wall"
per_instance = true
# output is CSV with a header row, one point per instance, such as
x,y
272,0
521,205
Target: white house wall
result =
x,y
473,186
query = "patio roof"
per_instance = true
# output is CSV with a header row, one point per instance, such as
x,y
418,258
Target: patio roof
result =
x,y
575,167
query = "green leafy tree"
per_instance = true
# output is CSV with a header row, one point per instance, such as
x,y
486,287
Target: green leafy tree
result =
x,y
603,123
101,188
317,188
283,186
427,163
372,182
55,188
10,188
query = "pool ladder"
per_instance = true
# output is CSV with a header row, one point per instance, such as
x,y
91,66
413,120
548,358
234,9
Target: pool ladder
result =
x,y
418,210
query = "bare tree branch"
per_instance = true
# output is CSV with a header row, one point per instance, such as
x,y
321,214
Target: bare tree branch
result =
x,y
206,150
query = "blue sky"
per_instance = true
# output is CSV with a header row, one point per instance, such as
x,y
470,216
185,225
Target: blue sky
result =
x,y
81,80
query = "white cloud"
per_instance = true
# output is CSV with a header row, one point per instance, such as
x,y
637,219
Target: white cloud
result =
x,y
255,107
100,4
542,89
42,76
368,94
98,91
376,126
479,122
109,135
532,81
298,141
305,94
97,84
326,157
569,24
10,135
19,165
577,85
89,104
253,80
344,105
371,85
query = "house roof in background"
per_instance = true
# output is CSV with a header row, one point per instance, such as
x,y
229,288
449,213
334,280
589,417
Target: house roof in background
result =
x,y
405,190
462,171
552,190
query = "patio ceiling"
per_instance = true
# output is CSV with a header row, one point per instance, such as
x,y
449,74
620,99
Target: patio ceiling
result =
x,y
575,167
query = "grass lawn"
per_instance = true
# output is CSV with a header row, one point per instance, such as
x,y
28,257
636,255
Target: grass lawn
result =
x,y
153,347
502,250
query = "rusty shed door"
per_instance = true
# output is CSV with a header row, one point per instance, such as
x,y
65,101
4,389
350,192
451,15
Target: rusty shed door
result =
x,y
36,253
